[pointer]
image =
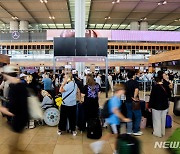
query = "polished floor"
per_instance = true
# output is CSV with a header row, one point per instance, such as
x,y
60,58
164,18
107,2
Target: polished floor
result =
x,y
44,140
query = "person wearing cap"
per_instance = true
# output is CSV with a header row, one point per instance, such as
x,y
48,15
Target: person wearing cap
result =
x,y
18,104
23,78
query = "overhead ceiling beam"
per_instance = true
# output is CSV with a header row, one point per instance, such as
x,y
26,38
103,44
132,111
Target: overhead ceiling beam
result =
x,y
129,13
111,26
109,15
4,8
69,11
166,15
89,14
50,14
2,21
20,1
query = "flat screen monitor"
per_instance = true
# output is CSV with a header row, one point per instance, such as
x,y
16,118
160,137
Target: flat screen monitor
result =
x,y
81,47
102,46
91,46
64,46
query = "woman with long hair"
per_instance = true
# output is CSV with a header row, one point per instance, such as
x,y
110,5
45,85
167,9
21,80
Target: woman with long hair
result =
x,y
91,97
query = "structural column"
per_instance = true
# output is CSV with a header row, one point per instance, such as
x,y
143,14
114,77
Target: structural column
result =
x,y
144,26
80,28
14,25
134,25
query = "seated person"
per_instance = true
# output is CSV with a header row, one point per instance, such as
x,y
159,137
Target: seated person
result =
x,y
47,100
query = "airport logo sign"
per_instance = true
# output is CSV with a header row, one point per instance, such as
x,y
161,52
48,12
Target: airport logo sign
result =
x,y
167,145
15,35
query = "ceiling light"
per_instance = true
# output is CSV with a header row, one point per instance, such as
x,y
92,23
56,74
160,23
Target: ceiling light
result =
x,y
177,20
14,18
115,1
43,1
51,17
165,2
107,18
162,3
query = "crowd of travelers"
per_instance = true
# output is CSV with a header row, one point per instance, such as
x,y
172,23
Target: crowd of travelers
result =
x,y
84,90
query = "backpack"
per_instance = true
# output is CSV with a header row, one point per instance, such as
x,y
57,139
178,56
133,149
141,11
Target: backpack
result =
x,y
105,111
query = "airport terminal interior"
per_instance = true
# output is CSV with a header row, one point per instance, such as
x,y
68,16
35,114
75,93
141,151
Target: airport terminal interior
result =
x,y
90,76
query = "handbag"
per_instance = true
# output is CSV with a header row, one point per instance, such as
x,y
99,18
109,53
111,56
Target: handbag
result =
x,y
136,105
59,101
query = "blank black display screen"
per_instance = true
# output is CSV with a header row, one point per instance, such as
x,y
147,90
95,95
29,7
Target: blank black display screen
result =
x,y
91,46
64,47
81,47
102,47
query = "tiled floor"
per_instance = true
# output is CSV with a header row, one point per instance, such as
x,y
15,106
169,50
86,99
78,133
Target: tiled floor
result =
x,y
44,140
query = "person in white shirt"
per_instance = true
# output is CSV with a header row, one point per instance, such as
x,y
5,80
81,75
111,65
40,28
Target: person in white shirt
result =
x,y
110,82
98,79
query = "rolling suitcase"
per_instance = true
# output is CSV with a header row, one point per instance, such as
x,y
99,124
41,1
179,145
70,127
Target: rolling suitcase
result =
x,y
127,144
81,122
176,109
143,123
94,129
168,121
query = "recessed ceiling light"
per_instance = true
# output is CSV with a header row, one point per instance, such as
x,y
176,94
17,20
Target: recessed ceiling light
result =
x,y
107,18
43,1
14,18
162,3
51,17
177,20
165,2
115,1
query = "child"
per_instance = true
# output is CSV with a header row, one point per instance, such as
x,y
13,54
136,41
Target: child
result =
x,y
113,121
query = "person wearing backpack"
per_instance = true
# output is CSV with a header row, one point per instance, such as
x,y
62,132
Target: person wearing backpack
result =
x,y
113,119
68,108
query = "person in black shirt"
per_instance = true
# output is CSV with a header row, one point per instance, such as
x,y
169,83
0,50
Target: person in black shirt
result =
x,y
159,105
132,93
18,104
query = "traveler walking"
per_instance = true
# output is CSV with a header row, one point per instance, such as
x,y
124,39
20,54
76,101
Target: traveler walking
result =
x,y
113,121
18,107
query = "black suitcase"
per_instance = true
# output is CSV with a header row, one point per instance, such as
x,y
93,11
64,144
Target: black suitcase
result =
x,y
176,109
127,144
81,122
94,129
148,115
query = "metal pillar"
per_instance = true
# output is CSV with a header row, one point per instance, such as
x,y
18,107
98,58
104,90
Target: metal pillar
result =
x,y
80,28
54,65
106,80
